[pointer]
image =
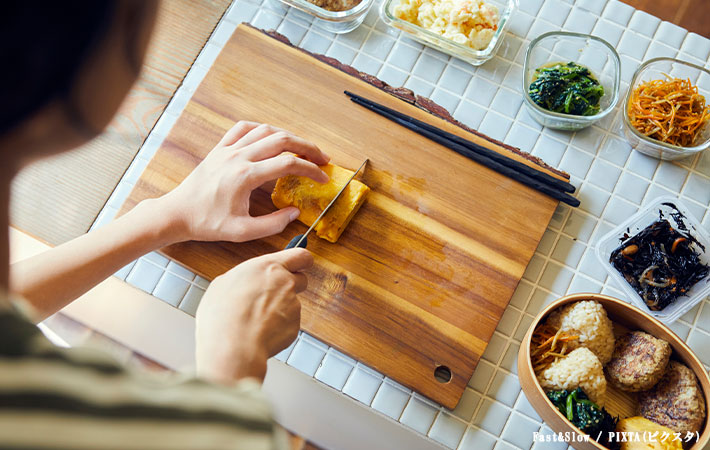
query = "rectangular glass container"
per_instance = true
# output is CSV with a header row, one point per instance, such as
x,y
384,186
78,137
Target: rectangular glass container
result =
x,y
334,21
658,69
590,51
434,40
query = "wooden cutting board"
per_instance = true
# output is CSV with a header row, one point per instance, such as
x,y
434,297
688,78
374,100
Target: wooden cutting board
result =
x,y
422,275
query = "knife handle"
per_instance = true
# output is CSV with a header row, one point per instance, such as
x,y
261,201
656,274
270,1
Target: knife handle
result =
x,y
295,240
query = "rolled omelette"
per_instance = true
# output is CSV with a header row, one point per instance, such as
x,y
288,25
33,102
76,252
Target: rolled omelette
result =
x,y
311,198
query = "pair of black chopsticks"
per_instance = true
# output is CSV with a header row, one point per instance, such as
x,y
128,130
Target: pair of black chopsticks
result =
x,y
511,168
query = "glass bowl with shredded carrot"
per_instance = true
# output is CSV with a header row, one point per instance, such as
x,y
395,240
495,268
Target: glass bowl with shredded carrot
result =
x,y
667,109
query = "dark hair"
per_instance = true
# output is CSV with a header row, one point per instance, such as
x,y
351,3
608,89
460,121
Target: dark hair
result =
x,y
43,45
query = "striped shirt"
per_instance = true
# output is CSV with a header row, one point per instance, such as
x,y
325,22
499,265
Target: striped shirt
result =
x,y
59,398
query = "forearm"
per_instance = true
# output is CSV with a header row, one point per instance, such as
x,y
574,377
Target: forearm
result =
x,y
53,279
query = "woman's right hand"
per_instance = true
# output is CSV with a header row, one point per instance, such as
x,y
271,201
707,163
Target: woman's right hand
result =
x,y
250,314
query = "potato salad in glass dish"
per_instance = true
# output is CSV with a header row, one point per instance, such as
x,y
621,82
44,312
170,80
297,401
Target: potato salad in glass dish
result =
x,y
472,23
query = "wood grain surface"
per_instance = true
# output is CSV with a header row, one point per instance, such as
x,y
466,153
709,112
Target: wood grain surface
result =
x,y
690,14
423,273
57,199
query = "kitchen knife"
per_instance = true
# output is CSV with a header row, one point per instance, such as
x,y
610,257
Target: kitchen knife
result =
x,y
301,240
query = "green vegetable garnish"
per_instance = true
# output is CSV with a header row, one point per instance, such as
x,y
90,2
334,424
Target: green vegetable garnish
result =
x,y
584,414
566,88
570,407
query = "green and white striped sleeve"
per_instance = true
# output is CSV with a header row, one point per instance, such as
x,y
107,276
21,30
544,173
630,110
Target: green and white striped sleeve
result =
x,y
76,398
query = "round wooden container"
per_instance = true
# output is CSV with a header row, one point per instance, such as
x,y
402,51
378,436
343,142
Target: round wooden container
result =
x,y
625,317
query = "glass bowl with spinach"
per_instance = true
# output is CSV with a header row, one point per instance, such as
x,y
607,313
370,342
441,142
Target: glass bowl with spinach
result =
x,y
566,88
570,80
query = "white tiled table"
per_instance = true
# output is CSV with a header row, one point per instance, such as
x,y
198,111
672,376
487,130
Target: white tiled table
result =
x,y
613,182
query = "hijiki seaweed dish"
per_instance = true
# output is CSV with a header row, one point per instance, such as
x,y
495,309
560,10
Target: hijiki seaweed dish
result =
x,y
660,262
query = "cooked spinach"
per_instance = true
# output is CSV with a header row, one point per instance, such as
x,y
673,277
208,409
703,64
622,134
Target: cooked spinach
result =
x,y
585,414
566,88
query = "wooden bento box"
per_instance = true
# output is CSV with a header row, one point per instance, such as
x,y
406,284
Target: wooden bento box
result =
x,y
624,317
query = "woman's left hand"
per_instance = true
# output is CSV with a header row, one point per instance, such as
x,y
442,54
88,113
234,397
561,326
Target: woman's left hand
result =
x,y
212,203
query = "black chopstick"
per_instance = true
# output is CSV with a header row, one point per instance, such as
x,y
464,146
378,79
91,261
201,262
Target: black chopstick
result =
x,y
502,159
508,171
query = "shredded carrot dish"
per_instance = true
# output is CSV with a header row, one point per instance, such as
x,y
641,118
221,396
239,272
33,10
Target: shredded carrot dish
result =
x,y
670,111
547,345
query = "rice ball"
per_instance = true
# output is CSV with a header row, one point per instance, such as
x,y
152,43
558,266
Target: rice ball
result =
x,y
580,368
588,320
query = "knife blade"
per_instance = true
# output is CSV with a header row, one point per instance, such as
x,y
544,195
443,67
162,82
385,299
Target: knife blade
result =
x,y
301,240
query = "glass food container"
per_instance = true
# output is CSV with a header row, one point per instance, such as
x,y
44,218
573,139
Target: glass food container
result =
x,y
334,21
584,49
657,69
448,46
647,215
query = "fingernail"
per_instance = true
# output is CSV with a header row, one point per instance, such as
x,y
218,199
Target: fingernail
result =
x,y
294,214
324,177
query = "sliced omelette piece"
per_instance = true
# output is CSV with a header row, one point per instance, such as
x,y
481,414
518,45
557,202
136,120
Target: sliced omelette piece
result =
x,y
311,198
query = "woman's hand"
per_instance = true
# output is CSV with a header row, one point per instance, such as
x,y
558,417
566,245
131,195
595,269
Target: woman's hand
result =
x,y
250,314
212,203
